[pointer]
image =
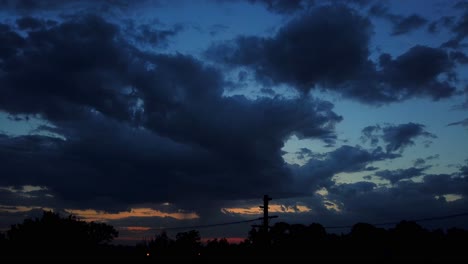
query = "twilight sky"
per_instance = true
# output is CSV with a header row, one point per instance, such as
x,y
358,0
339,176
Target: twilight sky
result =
x,y
158,114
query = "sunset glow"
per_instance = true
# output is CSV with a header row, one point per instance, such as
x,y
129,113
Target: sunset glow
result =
x,y
95,215
273,208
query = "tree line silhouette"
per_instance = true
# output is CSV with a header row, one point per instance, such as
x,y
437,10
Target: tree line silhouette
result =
x,y
53,236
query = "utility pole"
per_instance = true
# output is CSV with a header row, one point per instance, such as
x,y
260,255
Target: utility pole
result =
x,y
264,235
266,199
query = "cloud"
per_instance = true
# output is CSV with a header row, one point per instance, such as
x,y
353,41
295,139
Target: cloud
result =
x,y
460,123
400,174
139,127
460,31
304,54
28,5
318,172
396,137
445,21
404,200
285,59
420,161
29,23
353,189
12,42
154,34
416,73
78,64
283,6
99,6
459,57
408,24
401,24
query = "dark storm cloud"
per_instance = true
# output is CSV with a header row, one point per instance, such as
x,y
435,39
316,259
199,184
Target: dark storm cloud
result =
x,y
408,24
11,43
460,31
305,55
396,137
461,5
400,174
68,69
459,57
421,162
137,127
415,73
302,53
283,6
29,6
460,123
405,199
445,22
401,24
353,189
154,34
441,184
29,23
318,172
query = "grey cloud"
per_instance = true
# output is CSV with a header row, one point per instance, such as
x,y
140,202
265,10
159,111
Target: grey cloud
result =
x,y
405,200
445,21
400,174
138,126
408,24
396,137
460,31
401,24
283,6
459,57
463,122
353,189
305,63
317,173
315,63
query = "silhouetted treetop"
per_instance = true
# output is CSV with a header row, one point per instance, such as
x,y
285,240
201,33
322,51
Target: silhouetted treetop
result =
x,y
52,234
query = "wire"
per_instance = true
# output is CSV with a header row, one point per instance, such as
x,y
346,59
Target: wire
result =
x,y
204,226
326,227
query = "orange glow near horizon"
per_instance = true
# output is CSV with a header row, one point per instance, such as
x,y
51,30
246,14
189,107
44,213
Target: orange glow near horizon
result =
x,y
273,208
94,215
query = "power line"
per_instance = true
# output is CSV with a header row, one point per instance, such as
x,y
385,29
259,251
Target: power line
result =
x,y
326,227
205,226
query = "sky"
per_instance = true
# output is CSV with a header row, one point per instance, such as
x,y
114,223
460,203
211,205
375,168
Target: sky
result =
x,y
158,115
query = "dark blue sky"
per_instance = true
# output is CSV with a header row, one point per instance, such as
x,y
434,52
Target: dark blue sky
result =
x,y
150,114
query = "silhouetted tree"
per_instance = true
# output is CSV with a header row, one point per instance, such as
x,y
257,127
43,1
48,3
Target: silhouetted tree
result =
x,y
218,247
188,243
410,239
161,245
52,235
